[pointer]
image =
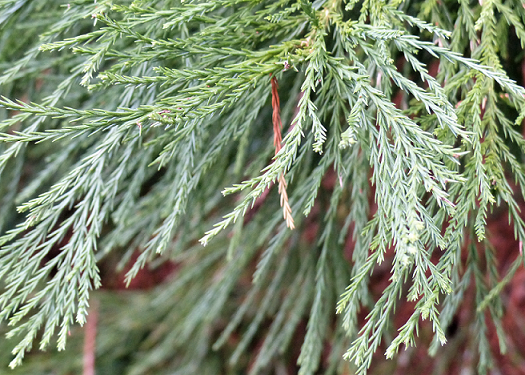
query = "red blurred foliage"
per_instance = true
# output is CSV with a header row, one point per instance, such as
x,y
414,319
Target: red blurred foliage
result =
x,y
146,278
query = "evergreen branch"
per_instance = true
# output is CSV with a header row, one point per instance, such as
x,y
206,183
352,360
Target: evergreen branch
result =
x,y
400,138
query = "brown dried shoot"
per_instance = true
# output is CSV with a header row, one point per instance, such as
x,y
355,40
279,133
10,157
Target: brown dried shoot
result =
x,y
277,139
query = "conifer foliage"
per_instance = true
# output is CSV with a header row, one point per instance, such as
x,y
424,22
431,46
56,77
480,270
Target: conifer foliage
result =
x,y
275,156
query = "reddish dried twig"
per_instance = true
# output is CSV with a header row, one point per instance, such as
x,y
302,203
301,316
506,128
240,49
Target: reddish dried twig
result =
x,y
90,337
276,117
277,139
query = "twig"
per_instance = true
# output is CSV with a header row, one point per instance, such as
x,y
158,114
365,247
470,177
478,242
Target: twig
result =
x,y
90,336
277,139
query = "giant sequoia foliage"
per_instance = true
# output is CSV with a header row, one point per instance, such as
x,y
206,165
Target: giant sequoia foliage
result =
x,y
284,176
